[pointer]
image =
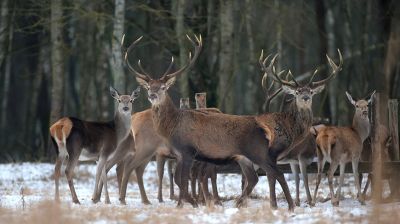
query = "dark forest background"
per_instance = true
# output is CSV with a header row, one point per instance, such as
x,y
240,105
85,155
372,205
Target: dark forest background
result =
x,y
58,57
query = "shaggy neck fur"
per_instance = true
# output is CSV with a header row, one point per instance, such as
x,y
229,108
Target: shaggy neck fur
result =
x,y
165,117
301,120
361,126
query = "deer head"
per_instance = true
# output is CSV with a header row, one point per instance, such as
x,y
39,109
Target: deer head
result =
x,y
361,106
125,101
184,103
157,88
302,93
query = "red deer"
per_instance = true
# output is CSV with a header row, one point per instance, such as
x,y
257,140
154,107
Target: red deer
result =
x,y
340,145
74,138
220,138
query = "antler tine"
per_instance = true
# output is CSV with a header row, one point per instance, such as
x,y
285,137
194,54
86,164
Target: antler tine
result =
x,y
292,77
169,67
313,75
141,68
144,76
198,44
335,69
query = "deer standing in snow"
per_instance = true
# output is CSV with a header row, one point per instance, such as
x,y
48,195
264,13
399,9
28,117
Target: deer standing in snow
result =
x,y
222,138
340,145
76,139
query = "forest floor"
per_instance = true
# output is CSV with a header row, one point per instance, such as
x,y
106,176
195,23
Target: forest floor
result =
x,y
27,192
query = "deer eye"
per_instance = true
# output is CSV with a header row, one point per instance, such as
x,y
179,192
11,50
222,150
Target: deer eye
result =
x,y
119,101
297,92
163,87
312,91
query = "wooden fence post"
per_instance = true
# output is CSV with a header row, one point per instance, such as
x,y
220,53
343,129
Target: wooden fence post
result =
x,y
376,151
393,127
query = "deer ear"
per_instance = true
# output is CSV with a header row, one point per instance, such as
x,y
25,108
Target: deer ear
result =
x,y
170,82
288,90
142,82
318,89
371,97
350,98
114,93
135,93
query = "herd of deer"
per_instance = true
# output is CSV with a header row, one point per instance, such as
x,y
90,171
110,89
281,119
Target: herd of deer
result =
x,y
196,141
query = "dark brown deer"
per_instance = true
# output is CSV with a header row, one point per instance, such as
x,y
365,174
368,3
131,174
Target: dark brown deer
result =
x,y
340,145
97,141
221,138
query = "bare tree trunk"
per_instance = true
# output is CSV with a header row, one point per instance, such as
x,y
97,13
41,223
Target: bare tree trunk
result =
x,y
57,62
225,71
252,76
7,73
3,29
180,34
116,56
333,85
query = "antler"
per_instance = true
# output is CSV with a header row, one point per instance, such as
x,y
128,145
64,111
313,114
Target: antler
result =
x,y
335,70
198,44
270,70
144,75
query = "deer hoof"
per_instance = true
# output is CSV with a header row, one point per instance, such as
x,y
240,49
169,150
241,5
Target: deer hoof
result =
x,y
76,201
297,202
122,201
335,202
146,202
241,202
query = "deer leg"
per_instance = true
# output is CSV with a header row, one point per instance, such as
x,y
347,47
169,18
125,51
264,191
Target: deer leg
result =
x,y
185,172
129,166
204,187
101,163
321,164
177,179
104,181
193,179
354,164
303,170
57,174
69,170
341,180
171,179
251,179
282,181
295,172
213,176
120,172
139,175
331,172
160,171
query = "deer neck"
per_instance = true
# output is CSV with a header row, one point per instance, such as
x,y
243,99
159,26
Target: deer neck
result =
x,y
301,118
362,126
122,122
165,117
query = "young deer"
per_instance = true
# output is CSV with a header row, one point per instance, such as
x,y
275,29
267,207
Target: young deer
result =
x,y
340,145
221,138
74,138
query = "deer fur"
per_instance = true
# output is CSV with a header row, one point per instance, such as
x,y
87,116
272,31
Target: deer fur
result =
x,y
340,145
75,139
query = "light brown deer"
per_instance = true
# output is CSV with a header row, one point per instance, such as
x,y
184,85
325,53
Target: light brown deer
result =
x,y
340,145
76,139
221,138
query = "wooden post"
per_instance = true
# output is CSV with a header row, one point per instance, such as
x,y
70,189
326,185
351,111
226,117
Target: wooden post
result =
x,y
376,151
393,127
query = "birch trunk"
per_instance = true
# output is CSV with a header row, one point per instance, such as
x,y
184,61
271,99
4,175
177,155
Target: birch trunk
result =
x,y
180,34
57,63
116,55
225,70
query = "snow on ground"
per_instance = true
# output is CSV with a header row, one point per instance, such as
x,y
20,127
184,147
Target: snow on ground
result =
x,y
27,192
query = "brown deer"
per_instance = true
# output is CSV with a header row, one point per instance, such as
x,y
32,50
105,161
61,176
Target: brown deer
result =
x,y
201,171
220,138
340,145
75,139
302,154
